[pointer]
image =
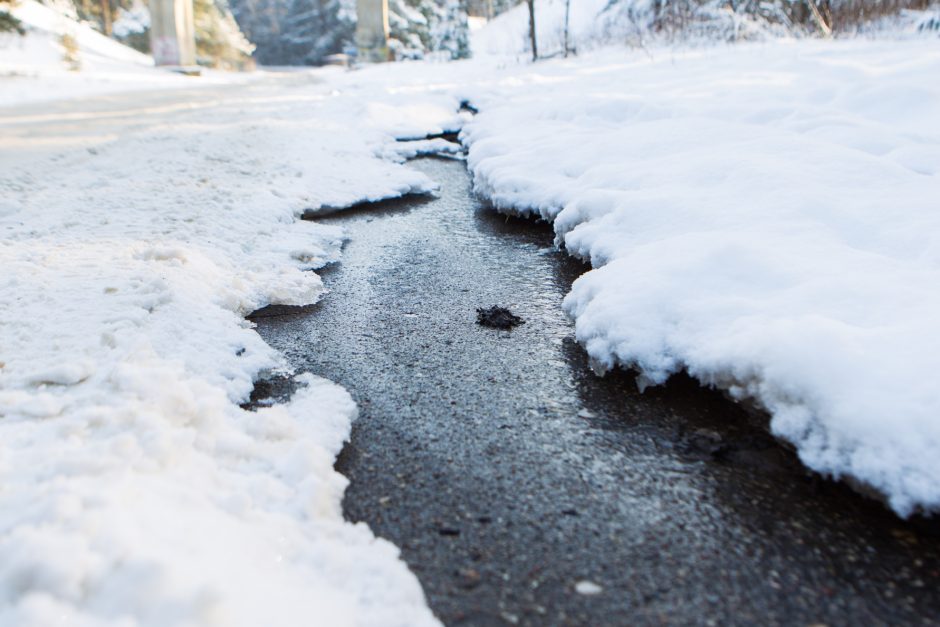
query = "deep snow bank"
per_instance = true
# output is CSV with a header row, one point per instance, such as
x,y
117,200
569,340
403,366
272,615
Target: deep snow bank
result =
x,y
766,217
133,240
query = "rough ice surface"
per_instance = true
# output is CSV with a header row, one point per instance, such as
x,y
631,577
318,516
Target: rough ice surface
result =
x,y
766,217
134,237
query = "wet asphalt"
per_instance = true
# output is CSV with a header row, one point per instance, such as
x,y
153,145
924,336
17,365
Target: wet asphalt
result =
x,y
510,475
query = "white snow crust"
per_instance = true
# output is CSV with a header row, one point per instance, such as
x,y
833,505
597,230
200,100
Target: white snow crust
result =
x,y
135,234
766,217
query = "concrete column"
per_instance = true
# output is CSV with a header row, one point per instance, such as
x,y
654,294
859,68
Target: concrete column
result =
x,y
372,30
172,33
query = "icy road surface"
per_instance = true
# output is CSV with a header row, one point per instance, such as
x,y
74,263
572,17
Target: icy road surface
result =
x,y
520,487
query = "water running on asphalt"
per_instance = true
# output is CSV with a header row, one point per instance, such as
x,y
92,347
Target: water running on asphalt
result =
x,y
510,475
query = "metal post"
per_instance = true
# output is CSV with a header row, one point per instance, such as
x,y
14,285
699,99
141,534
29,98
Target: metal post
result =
x,y
172,32
372,30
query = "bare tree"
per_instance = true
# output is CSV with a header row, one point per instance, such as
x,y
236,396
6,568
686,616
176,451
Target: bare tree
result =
x,y
819,19
107,23
567,14
535,50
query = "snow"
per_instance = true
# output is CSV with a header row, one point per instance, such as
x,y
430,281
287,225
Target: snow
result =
x,y
587,588
907,23
136,234
508,34
33,69
593,24
45,23
422,148
765,217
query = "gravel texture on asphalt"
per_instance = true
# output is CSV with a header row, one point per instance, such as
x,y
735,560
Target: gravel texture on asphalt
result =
x,y
524,489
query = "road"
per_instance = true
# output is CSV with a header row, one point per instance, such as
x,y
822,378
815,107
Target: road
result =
x,y
524,489
36,130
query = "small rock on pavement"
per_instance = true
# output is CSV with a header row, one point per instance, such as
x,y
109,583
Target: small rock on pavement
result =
x,y
498,318
587,588
705,443
469,578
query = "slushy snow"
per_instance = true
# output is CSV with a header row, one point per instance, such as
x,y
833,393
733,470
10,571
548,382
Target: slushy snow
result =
x,y
766,217
137,232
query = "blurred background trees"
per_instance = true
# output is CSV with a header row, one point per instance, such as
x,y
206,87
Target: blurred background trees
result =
x,y
234,34
292,32
8,23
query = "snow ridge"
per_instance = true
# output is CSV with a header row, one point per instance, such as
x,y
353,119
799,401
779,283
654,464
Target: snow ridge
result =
x,y
135,490
763,216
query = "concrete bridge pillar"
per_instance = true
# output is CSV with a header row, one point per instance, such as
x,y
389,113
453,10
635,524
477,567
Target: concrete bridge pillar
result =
x,y
372,30
172,33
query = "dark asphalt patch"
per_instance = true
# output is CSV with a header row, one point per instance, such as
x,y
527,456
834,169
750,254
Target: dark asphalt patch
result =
x,y
271,389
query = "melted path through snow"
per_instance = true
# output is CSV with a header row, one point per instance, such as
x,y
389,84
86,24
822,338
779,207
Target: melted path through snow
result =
x,y
508,472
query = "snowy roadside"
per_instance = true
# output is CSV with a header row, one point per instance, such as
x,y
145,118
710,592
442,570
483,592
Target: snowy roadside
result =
x,y
763,216
33,68
135,239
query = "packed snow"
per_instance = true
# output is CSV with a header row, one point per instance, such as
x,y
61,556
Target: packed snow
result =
x,y
766,217
137,233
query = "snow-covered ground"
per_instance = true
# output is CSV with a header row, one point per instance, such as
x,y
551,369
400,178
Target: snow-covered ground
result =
x,y
508,34
593,24
136,234
34,68
766,217
596,23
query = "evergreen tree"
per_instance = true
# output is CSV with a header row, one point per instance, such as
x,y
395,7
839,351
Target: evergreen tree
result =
x,y
428,26
315,29
451,33
263,21
296,32
8,22
219,41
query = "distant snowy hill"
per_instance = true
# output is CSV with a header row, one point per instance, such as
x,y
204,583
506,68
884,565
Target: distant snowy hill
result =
x,y
41,50
35,67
